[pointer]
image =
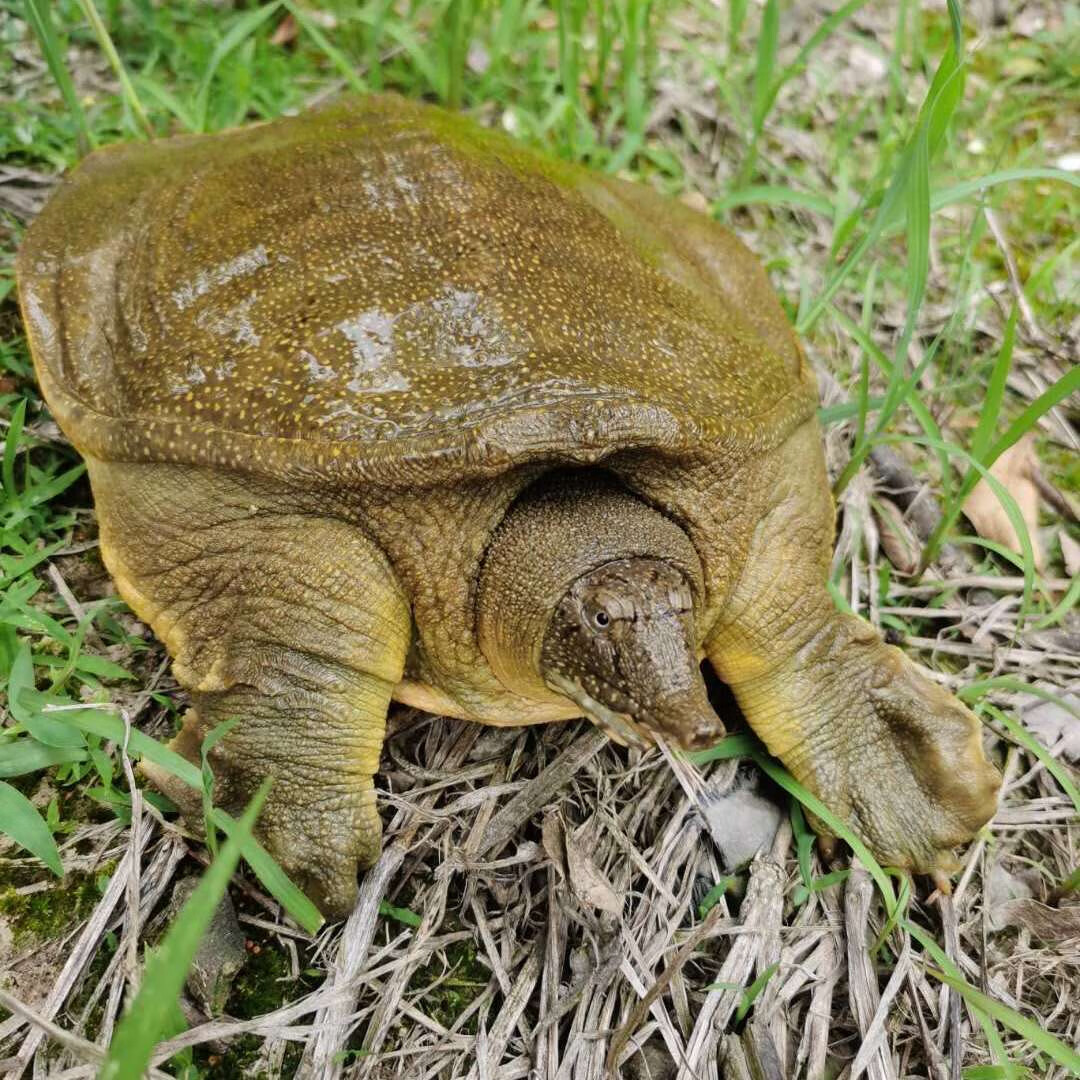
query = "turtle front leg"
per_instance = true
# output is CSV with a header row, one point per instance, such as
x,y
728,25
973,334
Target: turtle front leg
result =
x,y
316,729
857,723
852,718
290,624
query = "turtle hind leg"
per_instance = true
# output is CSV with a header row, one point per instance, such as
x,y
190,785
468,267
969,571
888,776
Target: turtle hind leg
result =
x,y
290,624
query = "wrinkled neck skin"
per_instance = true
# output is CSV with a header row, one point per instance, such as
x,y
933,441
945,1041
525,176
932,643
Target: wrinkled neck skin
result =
x,y
588,593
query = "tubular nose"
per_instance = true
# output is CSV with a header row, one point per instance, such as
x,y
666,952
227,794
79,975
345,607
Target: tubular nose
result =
x,y
705,735
688,717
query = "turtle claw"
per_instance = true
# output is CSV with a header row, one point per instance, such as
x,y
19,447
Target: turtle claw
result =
x,y
942,884
827,845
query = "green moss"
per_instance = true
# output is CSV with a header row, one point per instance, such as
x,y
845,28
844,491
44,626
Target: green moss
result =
x,y
264,984
454,990
1062,466
51,912
237,1061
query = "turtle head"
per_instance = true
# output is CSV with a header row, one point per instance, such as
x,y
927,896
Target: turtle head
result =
x,y
587,593
620,643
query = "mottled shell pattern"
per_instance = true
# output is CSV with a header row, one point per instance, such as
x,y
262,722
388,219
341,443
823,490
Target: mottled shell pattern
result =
x,y
379,291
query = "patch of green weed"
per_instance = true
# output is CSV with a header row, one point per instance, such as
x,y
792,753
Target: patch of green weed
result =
x,y
54,911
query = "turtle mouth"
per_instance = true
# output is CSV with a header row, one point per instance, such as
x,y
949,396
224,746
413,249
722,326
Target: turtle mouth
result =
x,y
619,726
704,730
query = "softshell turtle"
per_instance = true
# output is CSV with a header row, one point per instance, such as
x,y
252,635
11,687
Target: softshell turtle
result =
x,y
378,405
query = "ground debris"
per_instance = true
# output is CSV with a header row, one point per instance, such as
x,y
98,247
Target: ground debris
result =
x,y
221,953
561,928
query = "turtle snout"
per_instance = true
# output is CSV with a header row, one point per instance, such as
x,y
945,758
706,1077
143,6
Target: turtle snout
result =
x,y
705,737
687,717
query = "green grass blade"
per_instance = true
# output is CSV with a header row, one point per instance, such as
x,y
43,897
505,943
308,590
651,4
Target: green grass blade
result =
x,y
956,21
873,234
243,28
42,493
570,16
604,41
845,410
736,19
995,392
773,195
862,398
213,737
938,108
819,884
373,73
780,195
1027,1029
11,448
764,77
105,42
886,406
779,775
23,702
40,20
826,28
999,549
634,15
1061,609
457,20
20,820
728,747
903,899
747,746
804,841
146,1019
963,191
26,755
277,882
918,245
169,102
1069,885
973,691
1021,735
942,960
753,991
1067,385
14,568
945,93
1008,503
331,52
110,726
419,55
714,895
899,389
400,914
274,879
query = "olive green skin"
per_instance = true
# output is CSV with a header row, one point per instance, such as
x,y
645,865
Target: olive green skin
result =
x,y
313,364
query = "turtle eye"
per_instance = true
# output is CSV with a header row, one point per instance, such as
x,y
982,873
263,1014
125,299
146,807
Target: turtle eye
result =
x,y
601,619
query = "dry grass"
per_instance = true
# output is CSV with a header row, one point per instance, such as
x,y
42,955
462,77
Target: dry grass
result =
x,y
555,880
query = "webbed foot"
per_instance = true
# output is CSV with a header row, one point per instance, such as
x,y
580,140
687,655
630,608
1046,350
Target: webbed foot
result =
x,y
320,822
888,751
